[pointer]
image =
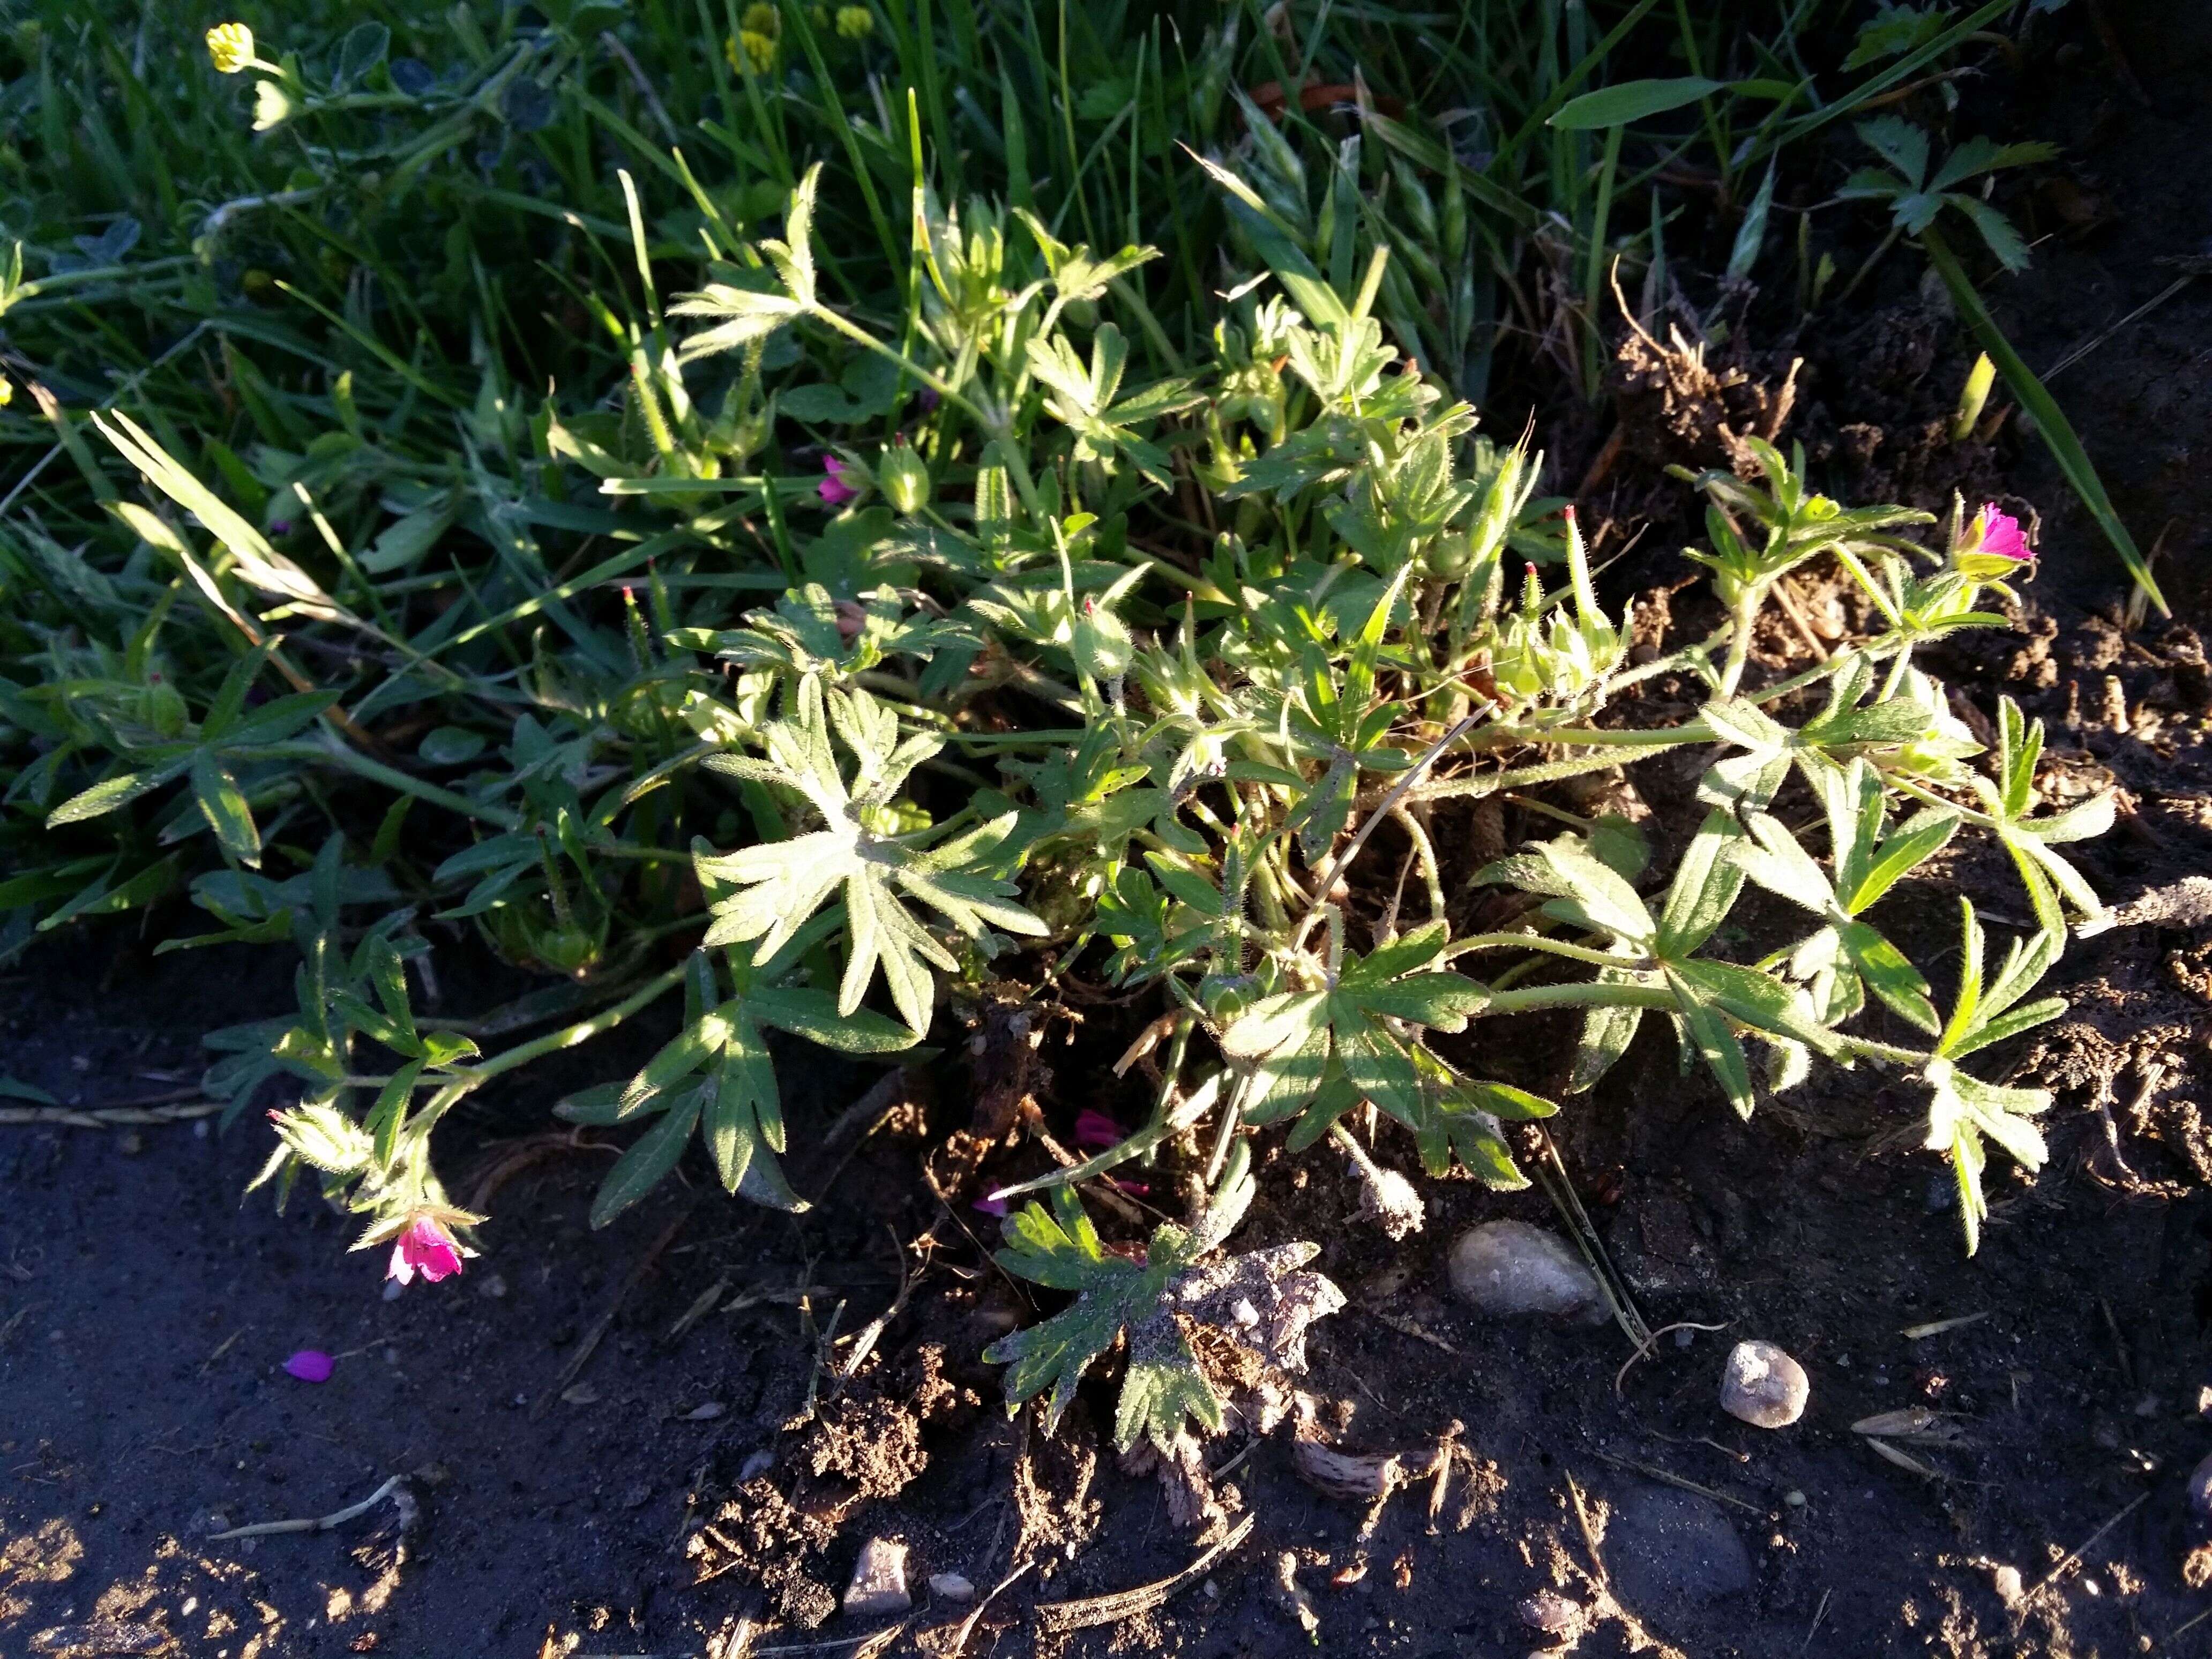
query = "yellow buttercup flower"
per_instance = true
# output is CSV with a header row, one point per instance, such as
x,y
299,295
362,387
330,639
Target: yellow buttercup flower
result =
x,y
759,52
855,23
230,47
6,391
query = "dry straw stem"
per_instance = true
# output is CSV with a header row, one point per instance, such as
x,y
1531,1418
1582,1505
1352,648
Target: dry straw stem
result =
x,y
1058,1618
395,1489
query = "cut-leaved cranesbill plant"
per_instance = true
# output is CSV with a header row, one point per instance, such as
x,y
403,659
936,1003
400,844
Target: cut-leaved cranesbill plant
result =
x,y
873,627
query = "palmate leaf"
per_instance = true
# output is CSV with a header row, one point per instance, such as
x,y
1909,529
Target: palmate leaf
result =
x,y
1745,783
784,883
2011,802
1260,1301
1963,1111
1711,999
1867,863
1287,1041
1087,401
716,1075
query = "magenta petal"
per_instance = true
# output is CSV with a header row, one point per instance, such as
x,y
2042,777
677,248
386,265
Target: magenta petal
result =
x,y
1096,1131
310,1365
1134,1188
425,1248
992,1205
833,489
2001,534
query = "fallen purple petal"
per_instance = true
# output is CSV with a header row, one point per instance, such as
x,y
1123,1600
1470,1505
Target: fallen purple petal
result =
x,y
1096,1131
310,1365
992,1205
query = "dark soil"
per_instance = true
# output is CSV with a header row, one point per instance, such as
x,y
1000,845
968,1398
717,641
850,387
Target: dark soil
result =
x,y
695,1469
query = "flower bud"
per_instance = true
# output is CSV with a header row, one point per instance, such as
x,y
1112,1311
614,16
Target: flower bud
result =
x,y
904,479
855,23
230,47
272,105
1103,649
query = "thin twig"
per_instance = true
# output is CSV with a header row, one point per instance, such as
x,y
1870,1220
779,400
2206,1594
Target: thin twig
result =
x,y
1561,1191
325,1523
2020,1608
1645,1347
112,1117
1399,791
967,1627
1653,1472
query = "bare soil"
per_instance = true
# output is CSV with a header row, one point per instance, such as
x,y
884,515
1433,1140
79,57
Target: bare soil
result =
x,y
599,1456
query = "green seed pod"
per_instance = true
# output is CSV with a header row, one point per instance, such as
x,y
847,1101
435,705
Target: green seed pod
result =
x,y
1500,508
163,706
904,479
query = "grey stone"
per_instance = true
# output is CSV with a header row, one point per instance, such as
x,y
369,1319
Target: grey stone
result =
x,y
1667,1548
2200,1488
1506,1269
879,1586
1763,1386
951,1586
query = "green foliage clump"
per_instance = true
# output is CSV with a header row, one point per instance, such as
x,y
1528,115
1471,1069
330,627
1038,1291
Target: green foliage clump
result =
x,y
923,594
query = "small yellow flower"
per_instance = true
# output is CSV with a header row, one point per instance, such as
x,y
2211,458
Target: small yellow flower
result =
x,y
855,23
272,105
230,47
6,391
759,51
761,18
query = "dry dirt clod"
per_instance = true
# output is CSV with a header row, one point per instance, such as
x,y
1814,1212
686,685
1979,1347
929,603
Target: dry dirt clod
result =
x,y
879,1586
1553,1614
1507,1268
1291,1598
1763,1386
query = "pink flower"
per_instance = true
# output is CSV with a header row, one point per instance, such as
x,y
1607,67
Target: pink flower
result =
x,y
425,1248
1995,533
310,1365
833,489
992,1205
1095,1131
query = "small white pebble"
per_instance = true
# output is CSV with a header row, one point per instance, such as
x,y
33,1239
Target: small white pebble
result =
x,y
706,1413
951,1586
1212,1590
1763,1386
879,1585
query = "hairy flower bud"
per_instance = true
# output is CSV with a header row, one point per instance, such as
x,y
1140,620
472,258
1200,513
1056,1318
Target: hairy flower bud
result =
x,y
1103,649
904,479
